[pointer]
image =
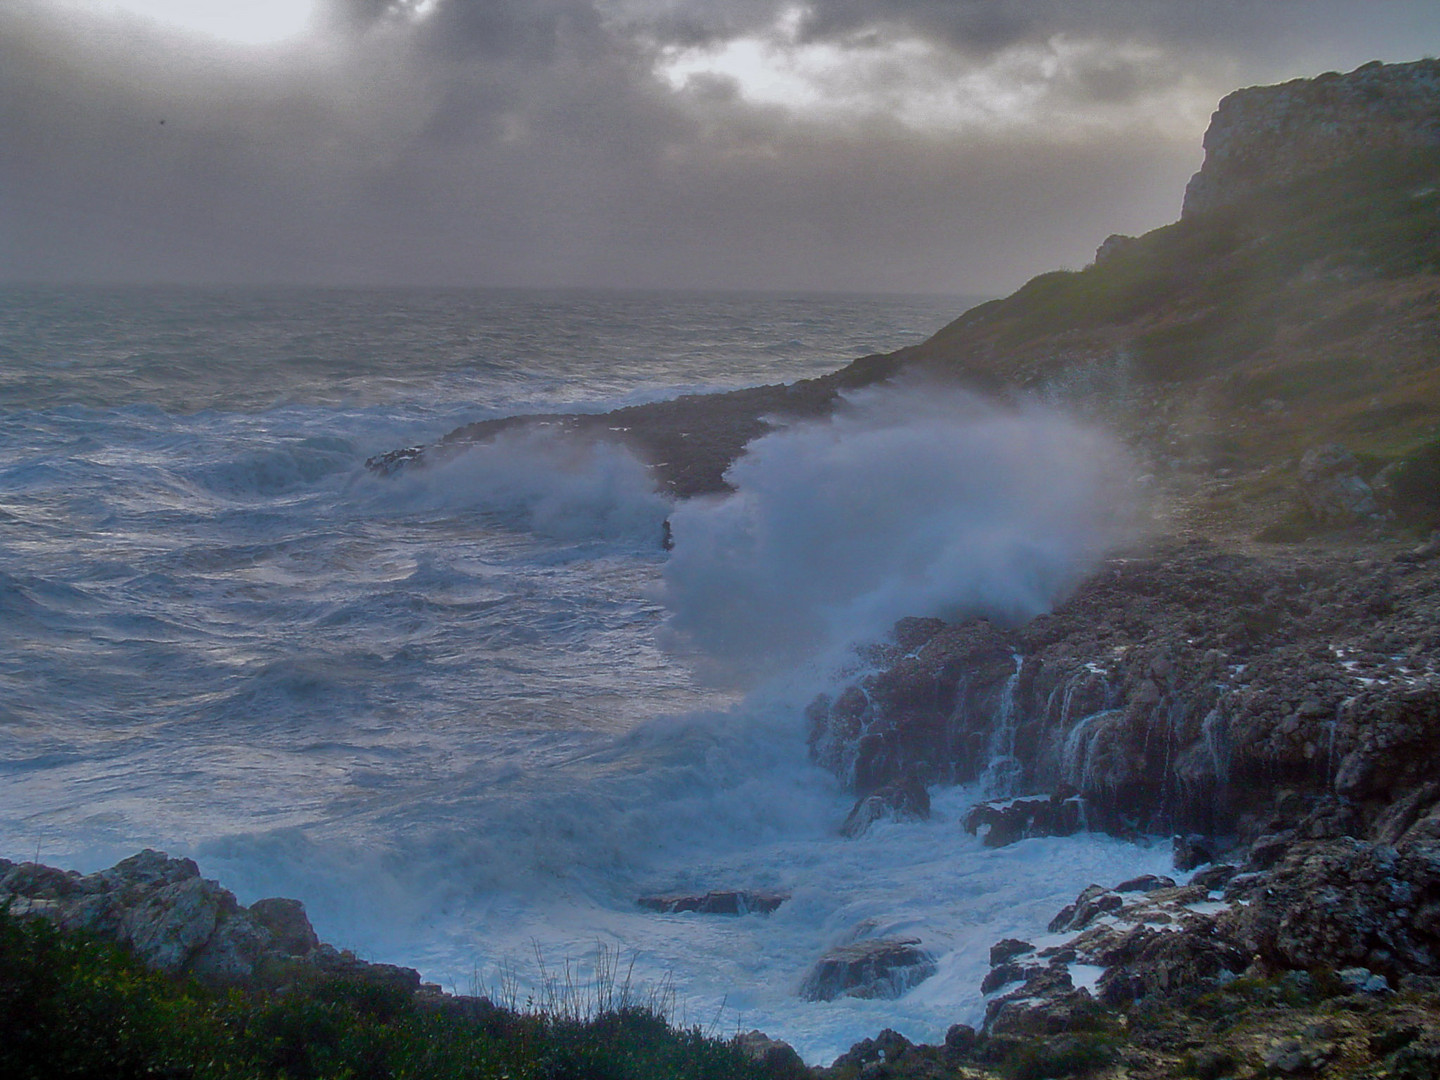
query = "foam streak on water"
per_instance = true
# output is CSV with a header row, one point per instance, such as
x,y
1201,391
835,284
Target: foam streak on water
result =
x,y
435,708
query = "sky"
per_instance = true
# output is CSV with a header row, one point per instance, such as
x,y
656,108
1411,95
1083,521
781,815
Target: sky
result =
x,y
940,146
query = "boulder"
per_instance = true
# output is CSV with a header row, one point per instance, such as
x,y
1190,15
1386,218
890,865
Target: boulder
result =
x,y
1331,488
903,800
872,968
779,1058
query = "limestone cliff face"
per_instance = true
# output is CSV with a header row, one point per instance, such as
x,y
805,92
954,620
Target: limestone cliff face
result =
x,y
1268,135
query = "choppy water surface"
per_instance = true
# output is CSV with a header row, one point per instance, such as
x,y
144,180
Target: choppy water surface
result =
x,y
437,708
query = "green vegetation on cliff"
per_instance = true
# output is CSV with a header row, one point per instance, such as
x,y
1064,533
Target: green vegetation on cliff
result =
x,y
74,1006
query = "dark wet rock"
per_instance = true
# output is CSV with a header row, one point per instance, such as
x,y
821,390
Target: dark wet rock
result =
x,y
1145,883
871,968
1018,819
961,1039
887,1048
1007,949
1189,852
1268,850
719,902
902,800
1046,1002
1196,691
1214,877
1349,903
1093,902
1003,974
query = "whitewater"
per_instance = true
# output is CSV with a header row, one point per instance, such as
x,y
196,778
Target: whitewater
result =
x,y
469,714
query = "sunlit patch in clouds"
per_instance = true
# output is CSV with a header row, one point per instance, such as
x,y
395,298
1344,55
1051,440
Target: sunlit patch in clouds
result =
x,y
1065,84
242,22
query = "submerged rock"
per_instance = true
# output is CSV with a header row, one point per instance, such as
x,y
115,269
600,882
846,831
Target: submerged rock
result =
x,y
873,968
720,902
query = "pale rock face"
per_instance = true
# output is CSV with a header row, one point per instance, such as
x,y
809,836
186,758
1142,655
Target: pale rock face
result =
x,y
175,921
1268,135
166,927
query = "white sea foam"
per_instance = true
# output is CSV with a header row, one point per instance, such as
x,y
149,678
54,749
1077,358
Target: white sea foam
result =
x,y
910,501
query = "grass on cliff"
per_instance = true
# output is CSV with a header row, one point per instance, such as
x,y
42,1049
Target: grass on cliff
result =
x,y
72,1006
1221,278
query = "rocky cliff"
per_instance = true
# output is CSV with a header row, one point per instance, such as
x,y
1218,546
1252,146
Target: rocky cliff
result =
x,y
1266,136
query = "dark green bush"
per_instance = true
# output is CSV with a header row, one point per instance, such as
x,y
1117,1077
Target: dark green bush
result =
x,y
71,1006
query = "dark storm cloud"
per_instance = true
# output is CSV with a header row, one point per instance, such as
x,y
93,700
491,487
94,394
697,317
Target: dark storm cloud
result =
x,y
948,146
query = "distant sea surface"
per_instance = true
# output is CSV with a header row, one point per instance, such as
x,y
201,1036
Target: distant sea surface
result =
x,y
436,708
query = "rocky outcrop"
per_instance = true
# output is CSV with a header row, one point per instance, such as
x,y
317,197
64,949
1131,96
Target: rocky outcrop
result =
x,y
177,922
870,968
778,1057
1370,913
1268,135
1193,690
903,800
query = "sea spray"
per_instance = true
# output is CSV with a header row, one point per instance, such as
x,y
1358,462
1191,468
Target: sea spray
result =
x,y
917,500
544,481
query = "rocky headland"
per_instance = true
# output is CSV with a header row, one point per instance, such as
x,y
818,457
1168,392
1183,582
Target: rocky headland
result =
x,y
1259,680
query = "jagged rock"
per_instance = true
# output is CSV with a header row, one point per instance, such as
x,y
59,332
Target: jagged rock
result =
x,y
1017,819
1349,903
176,921
1188,852
1046,1002
1092,902
779,1058
1003,975
1007,949
1198,691
287,922
902,800
872,968
719,902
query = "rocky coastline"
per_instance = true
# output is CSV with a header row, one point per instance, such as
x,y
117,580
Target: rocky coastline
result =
x,y
1261,682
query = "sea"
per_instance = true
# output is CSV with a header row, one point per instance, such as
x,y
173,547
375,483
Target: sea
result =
x,y
468,714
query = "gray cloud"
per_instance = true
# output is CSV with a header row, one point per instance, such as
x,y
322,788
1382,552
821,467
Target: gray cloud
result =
x,y
541,142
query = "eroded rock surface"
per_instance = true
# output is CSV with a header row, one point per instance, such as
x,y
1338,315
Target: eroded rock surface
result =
x,y
177,922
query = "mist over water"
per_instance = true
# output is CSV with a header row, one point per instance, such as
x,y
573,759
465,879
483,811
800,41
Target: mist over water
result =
x,y
916,500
